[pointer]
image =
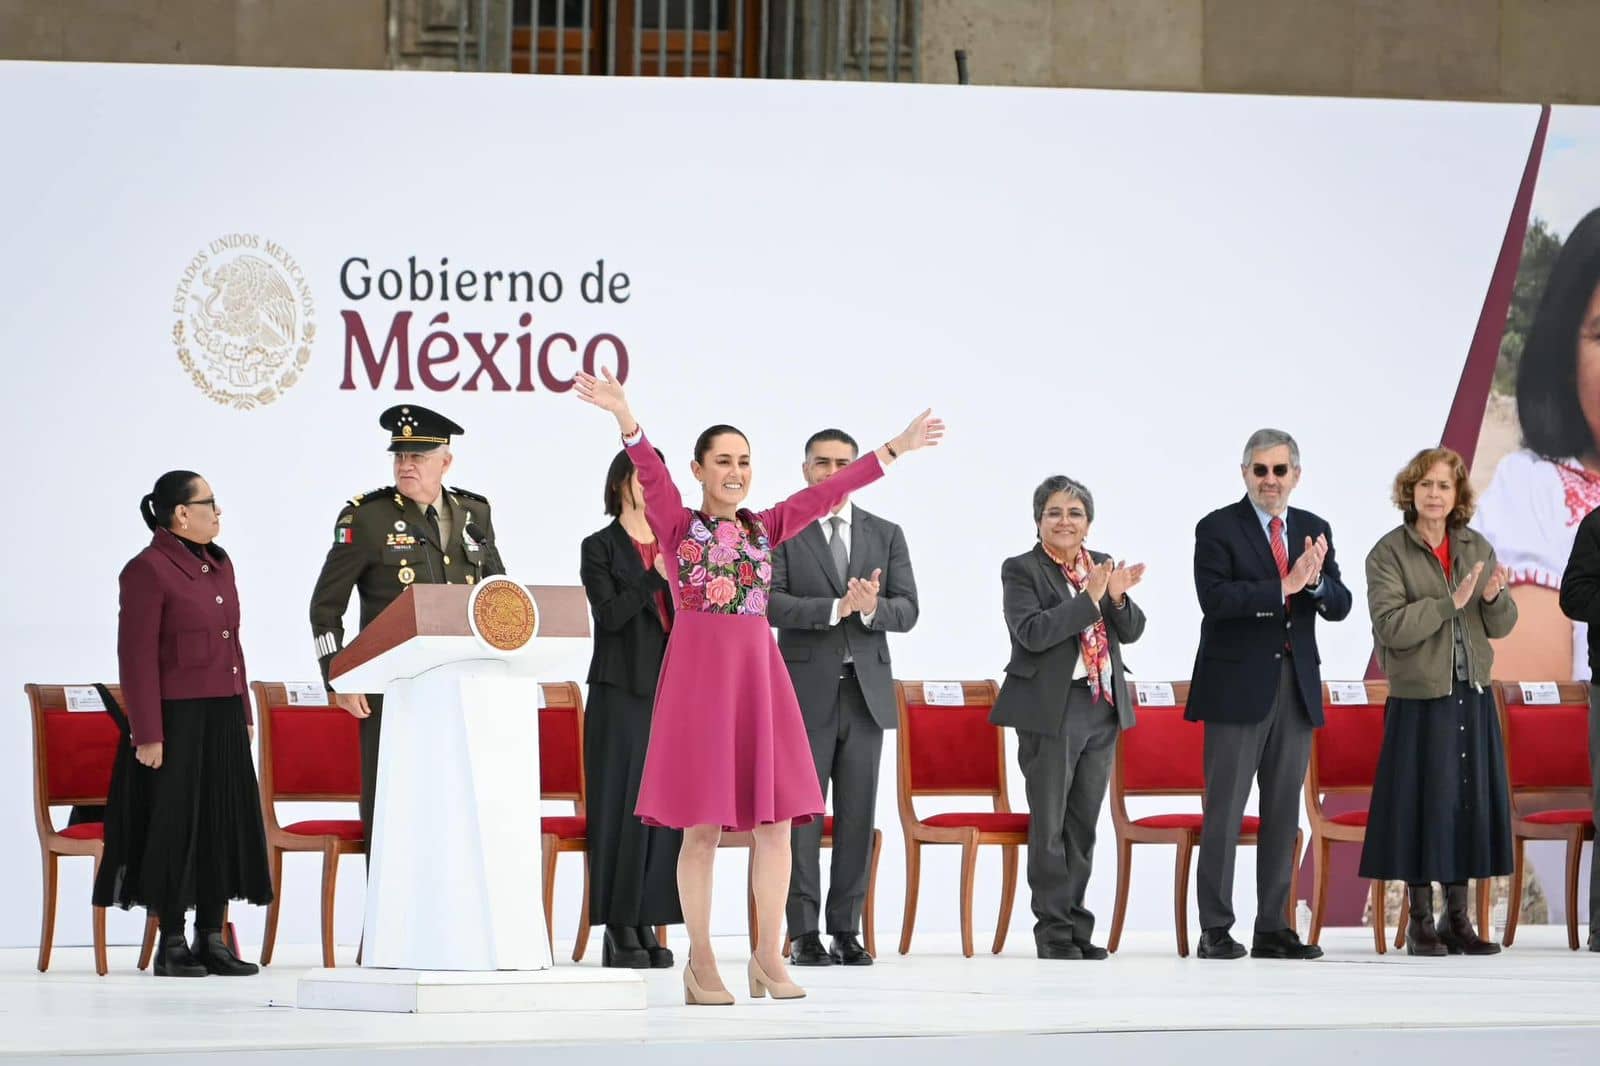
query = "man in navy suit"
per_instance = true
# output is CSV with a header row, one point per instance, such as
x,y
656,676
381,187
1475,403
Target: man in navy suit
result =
x,y
1264,572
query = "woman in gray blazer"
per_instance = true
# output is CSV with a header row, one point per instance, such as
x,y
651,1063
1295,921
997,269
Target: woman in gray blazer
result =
x,y
1069,613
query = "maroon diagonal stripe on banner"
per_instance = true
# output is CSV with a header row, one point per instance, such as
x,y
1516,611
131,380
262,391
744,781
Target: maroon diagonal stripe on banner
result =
x,y
1346,893
1465,421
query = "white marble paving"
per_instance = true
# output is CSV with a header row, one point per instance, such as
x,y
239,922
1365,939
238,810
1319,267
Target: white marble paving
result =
x,y
933,992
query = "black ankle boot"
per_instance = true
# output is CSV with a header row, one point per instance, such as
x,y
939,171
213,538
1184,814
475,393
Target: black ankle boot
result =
x,y
174,959
1421,937
1458,935
621,949
213,952
660,957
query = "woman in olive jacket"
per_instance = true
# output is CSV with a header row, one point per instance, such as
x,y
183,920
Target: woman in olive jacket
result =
x,y
1440,809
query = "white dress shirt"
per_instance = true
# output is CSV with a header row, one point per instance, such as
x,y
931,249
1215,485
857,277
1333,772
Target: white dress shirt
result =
x,y
847,513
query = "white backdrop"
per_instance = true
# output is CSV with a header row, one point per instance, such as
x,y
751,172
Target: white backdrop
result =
x,y
1115,286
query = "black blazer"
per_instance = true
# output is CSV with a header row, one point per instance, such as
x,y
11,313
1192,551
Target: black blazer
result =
x,y
804,587
1244,627
629,639
1045,617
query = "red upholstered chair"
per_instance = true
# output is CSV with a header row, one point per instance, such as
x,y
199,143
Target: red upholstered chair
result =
x,y
954,751
1344,762
561,778
1163,756
72,757
1547,755
309,754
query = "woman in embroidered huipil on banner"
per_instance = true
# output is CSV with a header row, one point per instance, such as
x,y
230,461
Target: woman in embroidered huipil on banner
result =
x,y
728,747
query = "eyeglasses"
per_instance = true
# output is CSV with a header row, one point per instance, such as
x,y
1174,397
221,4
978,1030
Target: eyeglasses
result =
x,y
1076,514
209,501
1278,469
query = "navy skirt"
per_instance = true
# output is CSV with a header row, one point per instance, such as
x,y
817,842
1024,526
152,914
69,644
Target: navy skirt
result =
x,y
1440,806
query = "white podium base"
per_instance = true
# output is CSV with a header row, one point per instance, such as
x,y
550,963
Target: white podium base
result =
x,y
462,992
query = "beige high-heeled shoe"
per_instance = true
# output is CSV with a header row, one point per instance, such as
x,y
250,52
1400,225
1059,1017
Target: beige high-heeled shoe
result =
x,y
695,996
761,984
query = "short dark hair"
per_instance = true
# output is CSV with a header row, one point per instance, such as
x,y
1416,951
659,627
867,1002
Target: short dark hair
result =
x,y
1553,425
617,475
1061,483
836,436
702,443
171,490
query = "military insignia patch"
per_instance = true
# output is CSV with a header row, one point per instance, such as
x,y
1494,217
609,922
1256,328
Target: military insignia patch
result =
x,y
406,575
344,535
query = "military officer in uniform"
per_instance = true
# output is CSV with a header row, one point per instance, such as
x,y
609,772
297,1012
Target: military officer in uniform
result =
x,y
415,530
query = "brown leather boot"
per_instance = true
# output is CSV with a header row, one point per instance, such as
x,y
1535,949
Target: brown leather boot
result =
x,y
1421,937
1458,935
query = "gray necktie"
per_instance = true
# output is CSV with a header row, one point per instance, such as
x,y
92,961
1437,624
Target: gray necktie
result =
x,y
841,559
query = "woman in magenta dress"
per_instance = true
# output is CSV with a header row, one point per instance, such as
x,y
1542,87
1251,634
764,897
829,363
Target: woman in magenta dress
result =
x,y
728,747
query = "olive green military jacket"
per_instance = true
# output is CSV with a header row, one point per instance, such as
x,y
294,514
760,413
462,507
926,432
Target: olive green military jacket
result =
x,y
382,542
1414,615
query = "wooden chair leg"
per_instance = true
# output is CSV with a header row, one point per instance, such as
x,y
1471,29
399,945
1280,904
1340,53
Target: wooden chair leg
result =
x,y
1294,877
869,908
969,877
1485,885
269,937
1400,925
1319,886
1008,890
913,883
1379,941
547,853
1119,909
582,943
147,949
330,880
1514,903
97,923
47,928
1180,894
1574,858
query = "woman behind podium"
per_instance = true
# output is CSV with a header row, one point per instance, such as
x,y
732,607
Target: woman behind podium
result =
x,y
198,841
632,866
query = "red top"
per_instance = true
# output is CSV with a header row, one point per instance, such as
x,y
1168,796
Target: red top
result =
x,y
1442,553
178,632
648,553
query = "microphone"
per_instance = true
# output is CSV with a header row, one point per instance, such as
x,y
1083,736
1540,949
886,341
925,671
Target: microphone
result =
x,y
476,535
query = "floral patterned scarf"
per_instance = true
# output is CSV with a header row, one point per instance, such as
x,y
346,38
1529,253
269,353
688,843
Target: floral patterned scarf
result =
x,y
1096,649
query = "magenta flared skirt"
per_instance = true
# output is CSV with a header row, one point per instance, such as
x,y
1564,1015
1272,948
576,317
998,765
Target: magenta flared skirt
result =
x,y
728,746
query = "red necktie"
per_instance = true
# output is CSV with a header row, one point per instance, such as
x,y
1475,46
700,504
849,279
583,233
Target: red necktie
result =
x,y
1280,552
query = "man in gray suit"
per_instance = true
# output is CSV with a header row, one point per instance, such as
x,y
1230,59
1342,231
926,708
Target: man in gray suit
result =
x,y
837,589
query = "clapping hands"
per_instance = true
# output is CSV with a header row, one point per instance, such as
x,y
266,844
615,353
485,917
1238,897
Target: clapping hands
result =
x,y
1307,570
861,595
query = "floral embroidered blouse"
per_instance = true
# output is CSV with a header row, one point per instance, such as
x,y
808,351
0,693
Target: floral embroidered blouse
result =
x,y
725,564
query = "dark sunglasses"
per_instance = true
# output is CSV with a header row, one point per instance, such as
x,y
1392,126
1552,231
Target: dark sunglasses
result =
x,y
1278,469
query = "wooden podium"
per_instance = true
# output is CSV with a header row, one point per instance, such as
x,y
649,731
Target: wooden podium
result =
x,y
453,915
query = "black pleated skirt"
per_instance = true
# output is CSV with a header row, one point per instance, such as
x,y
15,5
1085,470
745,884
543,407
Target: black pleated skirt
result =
x,y
1440,807
633,867
190,832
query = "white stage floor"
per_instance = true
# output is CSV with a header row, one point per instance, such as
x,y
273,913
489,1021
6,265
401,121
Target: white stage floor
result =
x,y
1538,1002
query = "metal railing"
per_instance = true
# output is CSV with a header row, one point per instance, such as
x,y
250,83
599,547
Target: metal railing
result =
x,y
857,40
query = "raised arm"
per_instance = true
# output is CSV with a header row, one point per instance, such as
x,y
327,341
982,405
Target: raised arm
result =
x,y
788,518
663,504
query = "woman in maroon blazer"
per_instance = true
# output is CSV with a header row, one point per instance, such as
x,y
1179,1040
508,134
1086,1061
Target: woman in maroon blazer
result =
x,y
198,841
